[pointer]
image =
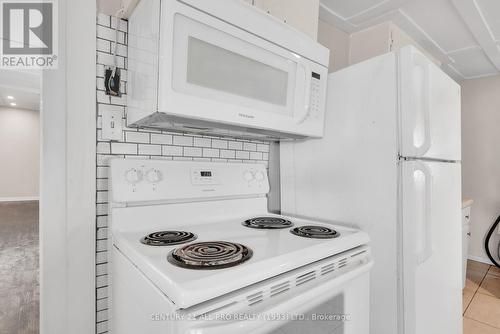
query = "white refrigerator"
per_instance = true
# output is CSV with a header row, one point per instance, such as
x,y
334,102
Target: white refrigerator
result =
x,y
390,163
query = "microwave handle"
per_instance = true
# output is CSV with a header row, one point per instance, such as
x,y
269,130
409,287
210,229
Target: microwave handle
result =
x,y
307,92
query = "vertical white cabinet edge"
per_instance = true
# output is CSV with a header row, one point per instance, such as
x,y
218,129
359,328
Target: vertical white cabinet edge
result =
x,y
67,192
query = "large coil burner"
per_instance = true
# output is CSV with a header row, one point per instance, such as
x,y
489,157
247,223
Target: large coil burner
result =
x,y
210,255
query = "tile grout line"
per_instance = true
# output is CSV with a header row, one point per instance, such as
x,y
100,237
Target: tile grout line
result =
x,y
484,323
475,293
492,274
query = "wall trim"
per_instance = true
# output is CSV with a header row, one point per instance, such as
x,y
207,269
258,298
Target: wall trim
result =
x,y
19,199
68,176
480,259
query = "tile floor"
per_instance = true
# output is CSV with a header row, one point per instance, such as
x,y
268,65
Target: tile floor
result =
x,y
481,299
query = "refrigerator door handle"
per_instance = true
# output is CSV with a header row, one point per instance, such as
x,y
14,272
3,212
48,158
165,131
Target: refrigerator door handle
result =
x,y
425,111
427,249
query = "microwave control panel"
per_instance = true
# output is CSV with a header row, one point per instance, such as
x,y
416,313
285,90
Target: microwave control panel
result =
x,y
315,95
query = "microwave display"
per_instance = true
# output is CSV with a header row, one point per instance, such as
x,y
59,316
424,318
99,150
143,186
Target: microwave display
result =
x,y
315,101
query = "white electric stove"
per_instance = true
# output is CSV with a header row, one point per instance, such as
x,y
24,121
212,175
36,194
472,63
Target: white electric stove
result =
x,y
194,250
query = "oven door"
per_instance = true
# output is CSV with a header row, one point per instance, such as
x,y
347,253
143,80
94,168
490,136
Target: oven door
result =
x,y
213,71
337,306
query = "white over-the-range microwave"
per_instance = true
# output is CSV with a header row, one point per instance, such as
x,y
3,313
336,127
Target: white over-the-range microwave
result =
x,y
223,67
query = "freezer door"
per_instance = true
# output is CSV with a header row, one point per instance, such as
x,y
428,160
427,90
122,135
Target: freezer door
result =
x,y
429,109
431,224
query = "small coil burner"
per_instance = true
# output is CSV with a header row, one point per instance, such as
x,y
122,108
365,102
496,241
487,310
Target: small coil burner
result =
x,y
315,232
210,255
168,238
267,223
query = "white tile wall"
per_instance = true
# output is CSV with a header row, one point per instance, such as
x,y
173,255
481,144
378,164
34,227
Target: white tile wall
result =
x,y
146,144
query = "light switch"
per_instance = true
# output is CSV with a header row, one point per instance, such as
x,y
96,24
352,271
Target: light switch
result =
x,y
112,125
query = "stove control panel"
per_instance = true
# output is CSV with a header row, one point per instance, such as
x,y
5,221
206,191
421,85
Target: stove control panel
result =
x,y
154,175
133,175
204,176
255,177
144,180
248,176
259,176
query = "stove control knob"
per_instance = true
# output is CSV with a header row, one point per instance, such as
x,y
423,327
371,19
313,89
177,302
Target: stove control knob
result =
x,y
133,176
248,176
153,176
259,176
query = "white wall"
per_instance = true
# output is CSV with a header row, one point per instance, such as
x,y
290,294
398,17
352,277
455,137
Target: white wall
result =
x,y
481,156
20,154
338,42
379,39
348,49
303,15
369,43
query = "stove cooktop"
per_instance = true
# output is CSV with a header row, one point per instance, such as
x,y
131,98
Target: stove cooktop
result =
x,y
224,254
266,253
210,201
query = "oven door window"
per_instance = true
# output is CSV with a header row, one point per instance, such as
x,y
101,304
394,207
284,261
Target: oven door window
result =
x,y
213,64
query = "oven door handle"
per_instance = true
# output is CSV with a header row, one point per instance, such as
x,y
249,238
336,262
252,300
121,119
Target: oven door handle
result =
x,y
298,304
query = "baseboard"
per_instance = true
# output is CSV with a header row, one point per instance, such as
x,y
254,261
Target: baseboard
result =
x,y
19,199
480,259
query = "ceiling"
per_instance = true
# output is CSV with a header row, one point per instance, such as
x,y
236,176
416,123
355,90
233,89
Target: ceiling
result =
x,y
463,34
24,88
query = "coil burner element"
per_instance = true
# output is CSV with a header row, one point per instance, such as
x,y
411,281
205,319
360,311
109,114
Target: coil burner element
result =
x,y
168,238
315,232
267,223
210,255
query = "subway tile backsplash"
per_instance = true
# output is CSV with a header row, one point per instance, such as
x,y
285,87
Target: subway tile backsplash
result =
x,y
150,144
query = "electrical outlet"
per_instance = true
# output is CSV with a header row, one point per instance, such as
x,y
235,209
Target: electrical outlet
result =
x,y
112,125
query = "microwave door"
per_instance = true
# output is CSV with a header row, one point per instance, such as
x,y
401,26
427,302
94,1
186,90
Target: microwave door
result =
x,y
215,65
215,75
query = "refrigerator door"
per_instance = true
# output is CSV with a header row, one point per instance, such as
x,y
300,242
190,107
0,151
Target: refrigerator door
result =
x,y
429,109
431,225
350,175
